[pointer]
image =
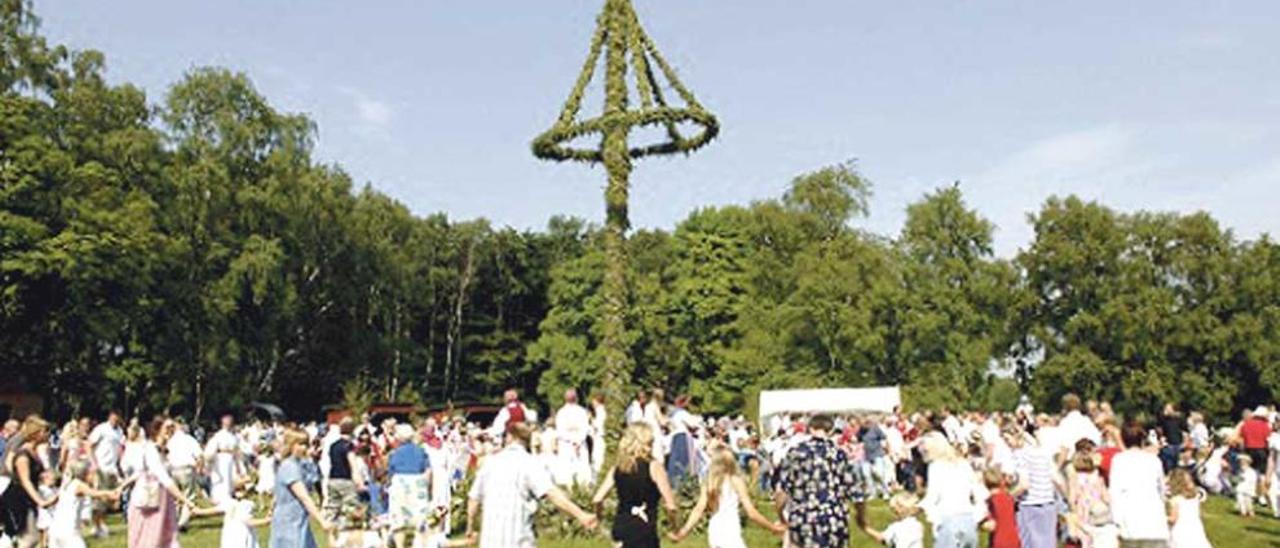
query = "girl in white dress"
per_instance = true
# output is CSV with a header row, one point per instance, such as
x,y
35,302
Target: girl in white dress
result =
x,y
723,493
1184,512
64,525
239,527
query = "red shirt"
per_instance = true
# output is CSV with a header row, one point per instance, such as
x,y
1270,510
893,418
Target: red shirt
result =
x,y
1000,509
1105,467
1254,432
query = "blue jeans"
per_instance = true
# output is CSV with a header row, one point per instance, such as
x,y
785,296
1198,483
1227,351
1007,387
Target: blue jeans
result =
x,y
956,531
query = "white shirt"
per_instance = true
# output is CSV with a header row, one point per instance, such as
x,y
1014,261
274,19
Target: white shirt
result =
x,y
184,450
107,441
905,533
1137,486
634,413
573,424
1075,427
895,444
145,459
952,490
951,425
508,488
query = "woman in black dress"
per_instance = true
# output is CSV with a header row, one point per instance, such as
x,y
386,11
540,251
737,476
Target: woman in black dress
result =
x,y
18,504
641,481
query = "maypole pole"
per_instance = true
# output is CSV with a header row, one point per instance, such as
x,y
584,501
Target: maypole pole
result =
x,y
625,47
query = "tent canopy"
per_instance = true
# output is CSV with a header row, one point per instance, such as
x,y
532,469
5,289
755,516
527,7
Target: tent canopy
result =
x,y
882,399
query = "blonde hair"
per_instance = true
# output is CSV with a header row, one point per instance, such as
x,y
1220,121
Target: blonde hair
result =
x,y
1181,484
724,465
636,446
938,449
905,504
293,437
32,426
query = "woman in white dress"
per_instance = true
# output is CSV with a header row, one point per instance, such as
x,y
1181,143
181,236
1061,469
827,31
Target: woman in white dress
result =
x,y
441,460
1184,512
724,493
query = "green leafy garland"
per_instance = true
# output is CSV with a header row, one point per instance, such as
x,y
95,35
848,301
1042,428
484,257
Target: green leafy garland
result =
x,y
618,33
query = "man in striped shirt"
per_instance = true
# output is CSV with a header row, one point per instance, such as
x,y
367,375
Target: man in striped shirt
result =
x,y
509,485
1037,483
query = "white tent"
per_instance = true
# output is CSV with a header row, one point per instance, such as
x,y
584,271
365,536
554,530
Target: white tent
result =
x,y
880,399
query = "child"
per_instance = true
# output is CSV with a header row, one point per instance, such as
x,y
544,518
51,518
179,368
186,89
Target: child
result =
x,y
434,532
64,524
1247,487
238,524
723,492
1090,518
48,487
1002,519
907,532
1184,512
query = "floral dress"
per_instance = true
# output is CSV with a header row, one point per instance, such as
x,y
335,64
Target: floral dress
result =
x,y
819,482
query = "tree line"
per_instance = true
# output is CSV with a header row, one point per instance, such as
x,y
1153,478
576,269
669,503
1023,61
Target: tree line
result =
x,y
191,255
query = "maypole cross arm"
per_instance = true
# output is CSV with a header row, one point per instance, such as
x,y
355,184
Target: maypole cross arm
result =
x,y
626,48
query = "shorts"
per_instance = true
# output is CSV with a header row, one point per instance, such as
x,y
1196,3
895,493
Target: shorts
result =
x,y
1259,458
342,505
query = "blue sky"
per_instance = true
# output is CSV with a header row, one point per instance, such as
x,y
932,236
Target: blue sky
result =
x,y
1169,105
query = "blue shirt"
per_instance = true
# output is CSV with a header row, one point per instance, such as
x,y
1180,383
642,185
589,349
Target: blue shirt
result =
x,y
408,459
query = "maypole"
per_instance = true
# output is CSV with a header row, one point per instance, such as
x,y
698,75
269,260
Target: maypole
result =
x,y
625,47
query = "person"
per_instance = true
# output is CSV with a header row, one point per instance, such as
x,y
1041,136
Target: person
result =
x,y
222,452
48,490
952,498
1254,432
154,497
1002,519
410,491
1171,431
599,420
239,526
1074,427
20,500
513,411
1137,486
342,502
875,465
433,532
7,432
1184,512
440,458
641,482
573,426
185,458
107,443
293,508
64,526
1246,487
815,484
507,487
1037,489
906,532
1090,518
635,410
681,459
723,492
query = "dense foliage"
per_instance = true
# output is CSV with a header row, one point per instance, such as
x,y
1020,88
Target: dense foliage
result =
x,y
191,255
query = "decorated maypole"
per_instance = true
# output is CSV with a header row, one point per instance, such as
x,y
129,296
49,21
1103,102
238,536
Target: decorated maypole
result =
x,y
625,48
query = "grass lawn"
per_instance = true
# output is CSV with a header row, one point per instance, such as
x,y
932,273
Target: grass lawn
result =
x,y
1226,530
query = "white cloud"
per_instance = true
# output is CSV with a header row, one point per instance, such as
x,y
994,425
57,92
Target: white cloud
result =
x,y
372,117
373,112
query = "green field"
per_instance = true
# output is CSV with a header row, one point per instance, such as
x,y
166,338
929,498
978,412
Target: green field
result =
x,y
1226,530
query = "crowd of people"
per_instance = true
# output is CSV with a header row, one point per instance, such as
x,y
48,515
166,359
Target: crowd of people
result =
x,y
1080,477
